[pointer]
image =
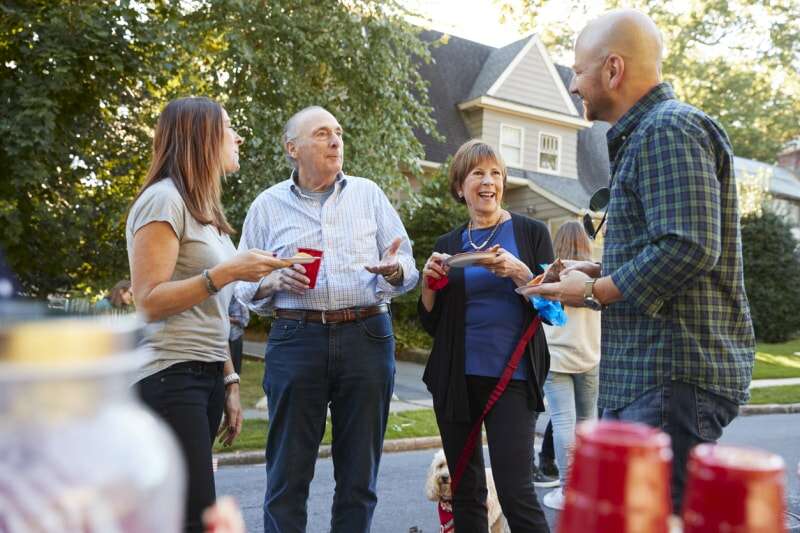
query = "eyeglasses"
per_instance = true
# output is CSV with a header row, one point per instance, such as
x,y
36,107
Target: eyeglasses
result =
x,y
598,201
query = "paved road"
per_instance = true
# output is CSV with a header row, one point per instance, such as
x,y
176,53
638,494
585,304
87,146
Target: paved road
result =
x,y
400,489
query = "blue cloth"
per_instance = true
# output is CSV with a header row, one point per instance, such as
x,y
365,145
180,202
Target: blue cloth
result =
x,y
238,311
309,365
687,413
494,321
354,228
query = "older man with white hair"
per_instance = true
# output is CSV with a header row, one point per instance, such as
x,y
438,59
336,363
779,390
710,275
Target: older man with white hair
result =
x,y
677,338
333,344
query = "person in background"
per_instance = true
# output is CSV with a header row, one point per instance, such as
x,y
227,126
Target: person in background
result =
x,y
239,317
476,321
678,344
183,266
120,299
572,384
545,475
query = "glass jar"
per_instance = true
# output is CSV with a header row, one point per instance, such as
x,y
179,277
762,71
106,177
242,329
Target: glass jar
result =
x,y
78,451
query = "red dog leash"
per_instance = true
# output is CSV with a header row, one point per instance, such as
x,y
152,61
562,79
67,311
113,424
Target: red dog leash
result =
x,y
498,391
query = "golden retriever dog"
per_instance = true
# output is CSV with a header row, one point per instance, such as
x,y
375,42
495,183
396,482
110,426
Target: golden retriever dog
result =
x,y
437,489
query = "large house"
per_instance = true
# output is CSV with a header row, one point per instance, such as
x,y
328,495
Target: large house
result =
x,y
516,99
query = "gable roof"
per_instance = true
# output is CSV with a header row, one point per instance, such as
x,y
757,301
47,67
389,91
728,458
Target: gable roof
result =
x,y
462,70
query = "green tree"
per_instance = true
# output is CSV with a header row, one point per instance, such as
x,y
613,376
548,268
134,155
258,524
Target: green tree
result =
x,y
771,276
82,84
428,214
738,60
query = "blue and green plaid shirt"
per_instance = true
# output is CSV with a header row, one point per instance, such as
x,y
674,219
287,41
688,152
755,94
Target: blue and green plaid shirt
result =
x,y
674,249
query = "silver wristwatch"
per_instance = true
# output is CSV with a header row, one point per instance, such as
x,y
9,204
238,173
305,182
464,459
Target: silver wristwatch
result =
x,y
588,296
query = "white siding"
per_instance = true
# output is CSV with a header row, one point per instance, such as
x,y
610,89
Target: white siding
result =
x,y
568,166
530,83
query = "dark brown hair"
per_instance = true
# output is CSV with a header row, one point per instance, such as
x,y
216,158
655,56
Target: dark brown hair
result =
x,y
572,242
471,154
115,296
187,147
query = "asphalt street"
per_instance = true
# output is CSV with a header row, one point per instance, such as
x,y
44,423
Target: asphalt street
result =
x,y
401,499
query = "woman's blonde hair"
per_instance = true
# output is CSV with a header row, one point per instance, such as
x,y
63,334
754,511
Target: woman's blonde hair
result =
x,y
571,242
470,155
187,147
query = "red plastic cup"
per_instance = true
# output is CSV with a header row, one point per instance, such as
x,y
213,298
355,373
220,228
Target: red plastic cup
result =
x,y
733,489
619,479
312,269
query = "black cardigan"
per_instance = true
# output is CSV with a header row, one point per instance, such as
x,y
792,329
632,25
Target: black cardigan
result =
x,y
444,373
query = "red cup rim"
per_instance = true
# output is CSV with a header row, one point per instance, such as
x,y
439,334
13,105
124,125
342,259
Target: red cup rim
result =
x,y
622,434
740,459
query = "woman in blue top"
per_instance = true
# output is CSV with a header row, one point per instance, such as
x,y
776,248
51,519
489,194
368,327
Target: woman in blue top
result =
x,y
476,321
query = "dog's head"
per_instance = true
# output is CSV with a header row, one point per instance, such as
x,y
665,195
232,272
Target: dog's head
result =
x,y
437,484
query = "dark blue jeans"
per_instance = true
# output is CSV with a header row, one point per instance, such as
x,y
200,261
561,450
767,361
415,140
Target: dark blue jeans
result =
x,y
688,414
309,366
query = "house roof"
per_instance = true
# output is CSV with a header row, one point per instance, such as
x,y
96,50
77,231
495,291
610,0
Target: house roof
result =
x,y
462,70
781,182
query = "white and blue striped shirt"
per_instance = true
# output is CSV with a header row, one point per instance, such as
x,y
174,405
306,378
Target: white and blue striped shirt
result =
x,y
353,228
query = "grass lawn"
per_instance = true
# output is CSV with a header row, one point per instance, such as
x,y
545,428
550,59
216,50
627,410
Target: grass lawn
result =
x,y
783,394
407,424
777,360
250,389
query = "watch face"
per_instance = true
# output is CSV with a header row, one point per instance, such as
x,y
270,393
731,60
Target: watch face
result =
x,y
592,304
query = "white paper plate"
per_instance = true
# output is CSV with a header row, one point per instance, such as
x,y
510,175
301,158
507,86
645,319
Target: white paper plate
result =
x,y
468,258
301,259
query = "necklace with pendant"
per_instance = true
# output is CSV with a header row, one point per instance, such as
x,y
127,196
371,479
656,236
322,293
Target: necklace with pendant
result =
x,y
488,239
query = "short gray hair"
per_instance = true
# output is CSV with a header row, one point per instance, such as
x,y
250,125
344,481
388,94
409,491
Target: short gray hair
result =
x,y
290,130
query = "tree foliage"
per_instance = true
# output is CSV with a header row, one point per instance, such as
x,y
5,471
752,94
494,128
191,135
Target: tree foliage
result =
x,y
771,276
427,215
738,60
82,84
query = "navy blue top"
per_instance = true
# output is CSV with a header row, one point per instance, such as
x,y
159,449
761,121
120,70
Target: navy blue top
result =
x,y
494,321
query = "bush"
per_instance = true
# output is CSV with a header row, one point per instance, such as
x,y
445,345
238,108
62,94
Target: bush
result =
x,y
771,276
428,214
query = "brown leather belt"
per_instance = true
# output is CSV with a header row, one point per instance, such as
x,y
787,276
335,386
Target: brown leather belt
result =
x,y
332,317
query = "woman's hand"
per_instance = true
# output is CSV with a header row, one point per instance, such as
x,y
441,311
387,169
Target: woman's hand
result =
x,y
232,422
435,268
505,265
250,265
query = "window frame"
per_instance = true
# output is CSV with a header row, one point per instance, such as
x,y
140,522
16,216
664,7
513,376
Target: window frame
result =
x,y
557,154
520,163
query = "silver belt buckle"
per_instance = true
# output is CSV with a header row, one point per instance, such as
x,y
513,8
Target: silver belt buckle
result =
x,y
322,314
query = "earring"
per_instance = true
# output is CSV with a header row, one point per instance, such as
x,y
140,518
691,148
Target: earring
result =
x,y
461,195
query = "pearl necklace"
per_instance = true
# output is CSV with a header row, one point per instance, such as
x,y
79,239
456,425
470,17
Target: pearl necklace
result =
x,y
488,239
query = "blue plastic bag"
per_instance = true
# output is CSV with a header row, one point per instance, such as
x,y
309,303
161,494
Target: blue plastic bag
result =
x,y
551,311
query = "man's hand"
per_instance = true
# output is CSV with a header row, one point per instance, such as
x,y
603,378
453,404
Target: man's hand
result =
x,y
291,280
568,291
388,264
589,268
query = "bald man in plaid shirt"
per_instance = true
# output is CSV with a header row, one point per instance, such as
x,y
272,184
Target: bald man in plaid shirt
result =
x,y
677,338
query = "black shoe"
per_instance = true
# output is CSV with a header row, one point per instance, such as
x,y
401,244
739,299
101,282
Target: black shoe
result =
x,y
544,481
548,466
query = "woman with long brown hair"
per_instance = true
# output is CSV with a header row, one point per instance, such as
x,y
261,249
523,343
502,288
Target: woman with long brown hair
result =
x,y
573,383
183,265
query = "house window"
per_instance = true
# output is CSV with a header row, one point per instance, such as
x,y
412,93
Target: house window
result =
x,y
549,151
511,140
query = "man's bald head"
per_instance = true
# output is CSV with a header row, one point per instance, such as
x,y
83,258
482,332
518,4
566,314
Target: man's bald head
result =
x,y
617,62
628,33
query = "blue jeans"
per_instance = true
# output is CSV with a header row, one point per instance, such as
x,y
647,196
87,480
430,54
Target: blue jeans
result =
x,y
308,366
571,398
688,414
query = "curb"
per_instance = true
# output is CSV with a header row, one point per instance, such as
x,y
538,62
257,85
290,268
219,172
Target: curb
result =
x,y
251,457
769,409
